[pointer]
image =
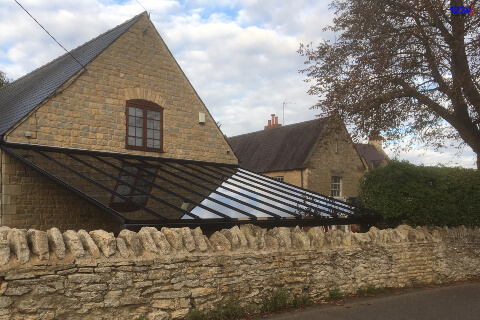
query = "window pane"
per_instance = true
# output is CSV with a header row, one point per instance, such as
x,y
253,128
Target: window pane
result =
x,y
138,112
131,111
131,121
149,124
139,132
157,135
149,133
149,143
157,115
149,114
131,131
157,125
131,141
156,144
139,142
139,122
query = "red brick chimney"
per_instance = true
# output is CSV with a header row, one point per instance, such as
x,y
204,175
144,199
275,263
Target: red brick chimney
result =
x,y
273,123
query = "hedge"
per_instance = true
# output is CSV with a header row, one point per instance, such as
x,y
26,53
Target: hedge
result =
x,y
419,195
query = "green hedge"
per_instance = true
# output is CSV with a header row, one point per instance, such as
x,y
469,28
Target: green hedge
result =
x,y
417,195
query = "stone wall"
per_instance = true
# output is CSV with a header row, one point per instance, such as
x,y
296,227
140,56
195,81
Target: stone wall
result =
x,y
162,274
31,200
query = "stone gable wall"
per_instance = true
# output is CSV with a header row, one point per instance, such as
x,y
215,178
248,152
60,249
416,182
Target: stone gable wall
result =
x,y
162,274
325,162
88,112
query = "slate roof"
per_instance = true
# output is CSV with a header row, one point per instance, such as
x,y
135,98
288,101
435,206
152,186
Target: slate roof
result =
x,y
23,95
277,149
371,154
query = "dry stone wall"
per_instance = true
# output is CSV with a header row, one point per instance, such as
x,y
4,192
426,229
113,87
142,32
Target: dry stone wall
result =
x,y
161,274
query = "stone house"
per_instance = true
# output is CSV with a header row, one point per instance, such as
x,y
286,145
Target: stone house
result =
x,y
112,135
308,155
122,92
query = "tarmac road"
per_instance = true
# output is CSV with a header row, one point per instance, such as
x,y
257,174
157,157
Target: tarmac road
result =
x,y
440,303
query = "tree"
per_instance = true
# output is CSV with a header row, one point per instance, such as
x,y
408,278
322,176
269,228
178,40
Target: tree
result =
x,y
405,68
3,79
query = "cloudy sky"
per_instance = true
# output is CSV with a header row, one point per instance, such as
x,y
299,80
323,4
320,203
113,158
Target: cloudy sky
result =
x,y
240,55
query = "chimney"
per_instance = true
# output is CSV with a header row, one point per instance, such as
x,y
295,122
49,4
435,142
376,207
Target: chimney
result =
x,y
272,123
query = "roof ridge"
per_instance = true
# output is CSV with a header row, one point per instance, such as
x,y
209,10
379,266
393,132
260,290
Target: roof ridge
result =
x,y
72,51
288,125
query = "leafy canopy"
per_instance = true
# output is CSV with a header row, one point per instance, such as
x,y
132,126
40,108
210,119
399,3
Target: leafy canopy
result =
x,y
401,67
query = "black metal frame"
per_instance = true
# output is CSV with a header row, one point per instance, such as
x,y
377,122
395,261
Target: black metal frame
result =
x,y
216,177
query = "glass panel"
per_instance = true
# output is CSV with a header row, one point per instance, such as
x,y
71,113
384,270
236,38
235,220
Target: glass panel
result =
x,y
131,141
131,121
157,135
157,125
139,122
149,133
139,132
157,115
138,112
156,144
149,114
149,143
131,131
131,111
149,124
139,142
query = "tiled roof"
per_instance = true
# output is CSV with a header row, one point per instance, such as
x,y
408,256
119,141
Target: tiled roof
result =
x,y
23,95
371,154
277,149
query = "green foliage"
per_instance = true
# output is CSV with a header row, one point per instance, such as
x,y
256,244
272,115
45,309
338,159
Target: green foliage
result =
x,y
280,300
229,310
369,290
418,195
335,294
3,79
195,314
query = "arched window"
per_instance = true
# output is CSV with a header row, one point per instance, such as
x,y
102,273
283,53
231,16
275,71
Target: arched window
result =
x,y
144,125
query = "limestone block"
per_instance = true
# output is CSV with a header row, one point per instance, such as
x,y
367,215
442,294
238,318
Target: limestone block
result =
x,y
317,236
105,241
88,243
73,243
5,302
179,314
122,247
160,315
219,242
255,236
55,242
161,242
4,251
38,241
232,237
18,244
395,236
147,241
405,230
283,235
173,238
207,241
200,243
4,233
132,240
271,242
361,239
333,238
300,239
187,238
